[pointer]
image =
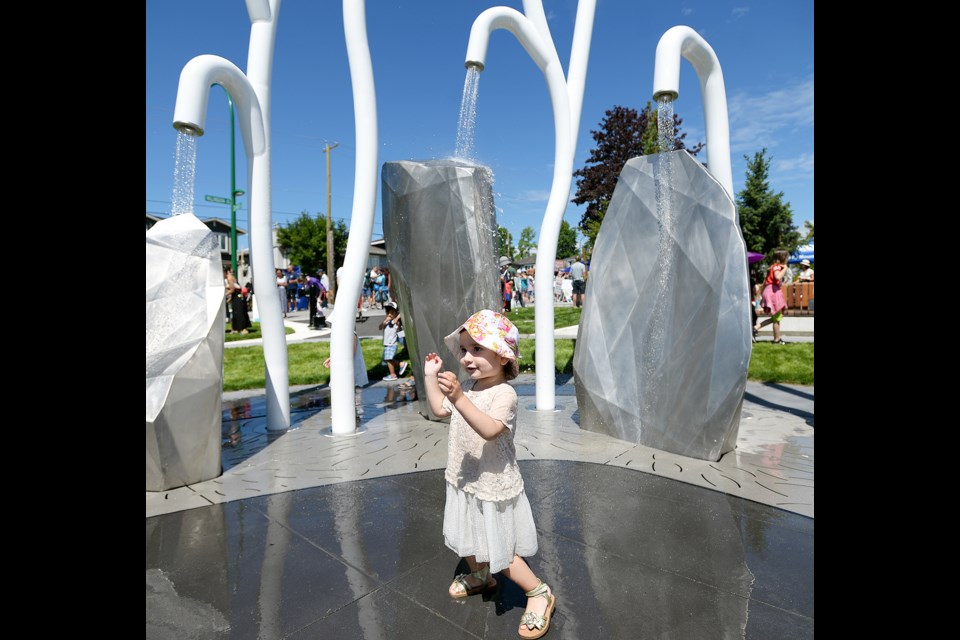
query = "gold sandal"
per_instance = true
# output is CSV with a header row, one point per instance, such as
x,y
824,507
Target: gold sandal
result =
x,y
537,625
489,583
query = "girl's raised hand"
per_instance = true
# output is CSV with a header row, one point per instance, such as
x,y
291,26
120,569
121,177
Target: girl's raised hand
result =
x,y
449,385
432,364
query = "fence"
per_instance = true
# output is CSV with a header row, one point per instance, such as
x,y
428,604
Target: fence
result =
x,y
799,296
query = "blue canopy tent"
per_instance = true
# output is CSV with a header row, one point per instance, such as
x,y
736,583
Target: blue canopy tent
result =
x,y
804,252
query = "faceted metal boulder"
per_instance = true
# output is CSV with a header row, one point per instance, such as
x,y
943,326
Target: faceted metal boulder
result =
x,y
440,228
184,377
665,338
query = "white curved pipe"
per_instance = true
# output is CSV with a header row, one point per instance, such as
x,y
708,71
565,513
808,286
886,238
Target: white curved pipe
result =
x,y
258,10
575,83
361,221
579,57
193,96
263,36
516,23
527,34
682,41
579,53
533,11
263,33
198,75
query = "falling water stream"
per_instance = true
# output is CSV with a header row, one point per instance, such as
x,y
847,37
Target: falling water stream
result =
x,y
465,129
184,173
468,114
661,316
665,123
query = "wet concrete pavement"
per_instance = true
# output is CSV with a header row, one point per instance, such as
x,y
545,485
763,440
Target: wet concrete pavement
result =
x,y
307,535
629,555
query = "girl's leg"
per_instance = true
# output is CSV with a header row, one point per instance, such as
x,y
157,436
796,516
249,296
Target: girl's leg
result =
x,y
776,332
471,580
761,325
390,367
520,572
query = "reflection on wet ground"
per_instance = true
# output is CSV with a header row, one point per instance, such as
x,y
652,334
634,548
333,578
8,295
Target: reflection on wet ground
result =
x,y
629,555
244,432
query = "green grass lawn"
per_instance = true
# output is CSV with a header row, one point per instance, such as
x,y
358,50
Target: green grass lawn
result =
x,y
791,363
562,317
243,367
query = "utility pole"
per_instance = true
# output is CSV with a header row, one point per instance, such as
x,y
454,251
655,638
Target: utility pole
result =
x,y
331,276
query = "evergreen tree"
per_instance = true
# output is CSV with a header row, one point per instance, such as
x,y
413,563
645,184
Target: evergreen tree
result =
x,y
765,219
526,242
567,241
505,242
624,134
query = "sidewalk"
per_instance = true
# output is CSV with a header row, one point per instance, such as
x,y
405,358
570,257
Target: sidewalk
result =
x,y
797,328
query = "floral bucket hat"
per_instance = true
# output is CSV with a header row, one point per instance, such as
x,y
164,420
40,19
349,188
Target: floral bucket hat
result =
x,y
495,332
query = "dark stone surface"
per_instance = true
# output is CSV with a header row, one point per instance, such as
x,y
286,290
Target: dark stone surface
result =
x,y
629,555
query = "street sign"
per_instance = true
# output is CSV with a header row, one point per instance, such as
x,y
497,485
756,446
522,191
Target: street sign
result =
x,y
216,199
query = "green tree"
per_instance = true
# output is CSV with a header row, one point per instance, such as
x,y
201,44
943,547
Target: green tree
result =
x,y
765,219
567,241
505,242
624,134
526,242
304,242
809,227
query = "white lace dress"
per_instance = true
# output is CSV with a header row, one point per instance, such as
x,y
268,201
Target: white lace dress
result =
x,y
487,513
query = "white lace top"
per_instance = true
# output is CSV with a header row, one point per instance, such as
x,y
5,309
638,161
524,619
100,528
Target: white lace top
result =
x,y
487,469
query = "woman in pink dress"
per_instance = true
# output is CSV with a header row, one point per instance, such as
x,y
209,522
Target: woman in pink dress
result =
x,y
772,299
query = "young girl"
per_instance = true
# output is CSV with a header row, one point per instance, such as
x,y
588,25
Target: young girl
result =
x,y
772,297
391,326
487,519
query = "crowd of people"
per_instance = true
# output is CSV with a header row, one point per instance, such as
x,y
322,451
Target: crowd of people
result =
x,y
298,290
518,286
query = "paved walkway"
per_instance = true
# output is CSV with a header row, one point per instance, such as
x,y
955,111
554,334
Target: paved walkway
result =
x,y
794,328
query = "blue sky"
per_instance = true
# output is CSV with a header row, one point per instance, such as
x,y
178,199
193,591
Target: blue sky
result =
x,y
418,49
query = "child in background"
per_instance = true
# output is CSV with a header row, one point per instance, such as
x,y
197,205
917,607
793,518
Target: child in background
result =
x,y
392,325
487,519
